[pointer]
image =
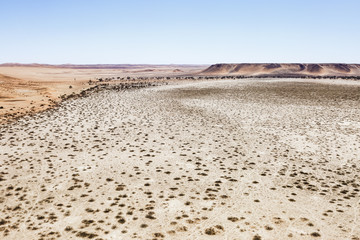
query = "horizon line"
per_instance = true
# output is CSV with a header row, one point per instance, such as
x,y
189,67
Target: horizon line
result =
x,y
169,64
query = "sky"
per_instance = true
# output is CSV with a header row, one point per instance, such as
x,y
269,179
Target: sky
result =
x,y
179,32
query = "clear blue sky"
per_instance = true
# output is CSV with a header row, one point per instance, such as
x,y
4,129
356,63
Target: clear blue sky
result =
x,y
173,31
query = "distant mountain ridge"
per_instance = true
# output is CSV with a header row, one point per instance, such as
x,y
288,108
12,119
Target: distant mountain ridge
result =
x,y
96,66
283,69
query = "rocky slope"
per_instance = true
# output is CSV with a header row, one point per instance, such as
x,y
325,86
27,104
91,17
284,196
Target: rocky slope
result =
x,y
288,69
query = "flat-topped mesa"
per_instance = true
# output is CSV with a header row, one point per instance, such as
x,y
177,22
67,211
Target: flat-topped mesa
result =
x,y
283,69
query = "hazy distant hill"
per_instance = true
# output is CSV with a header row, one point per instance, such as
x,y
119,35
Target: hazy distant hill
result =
x,y
283,69
98,66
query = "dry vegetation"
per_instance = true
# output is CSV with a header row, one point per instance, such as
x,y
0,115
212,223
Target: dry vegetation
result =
x,y
27,89
234,159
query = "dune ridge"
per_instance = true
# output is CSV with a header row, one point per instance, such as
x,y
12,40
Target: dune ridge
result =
x,y
284,69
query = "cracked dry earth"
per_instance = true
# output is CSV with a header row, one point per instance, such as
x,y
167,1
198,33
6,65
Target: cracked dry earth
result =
x,y
239,159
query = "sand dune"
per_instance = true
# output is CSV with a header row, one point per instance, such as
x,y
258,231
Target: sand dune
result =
x,y
274,69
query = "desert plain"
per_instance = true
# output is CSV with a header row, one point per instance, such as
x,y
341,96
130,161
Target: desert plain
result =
x,y
30,88
254,158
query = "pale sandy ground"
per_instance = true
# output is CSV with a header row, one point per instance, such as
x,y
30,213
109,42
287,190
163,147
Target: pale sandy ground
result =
x,y
238,159
25,90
